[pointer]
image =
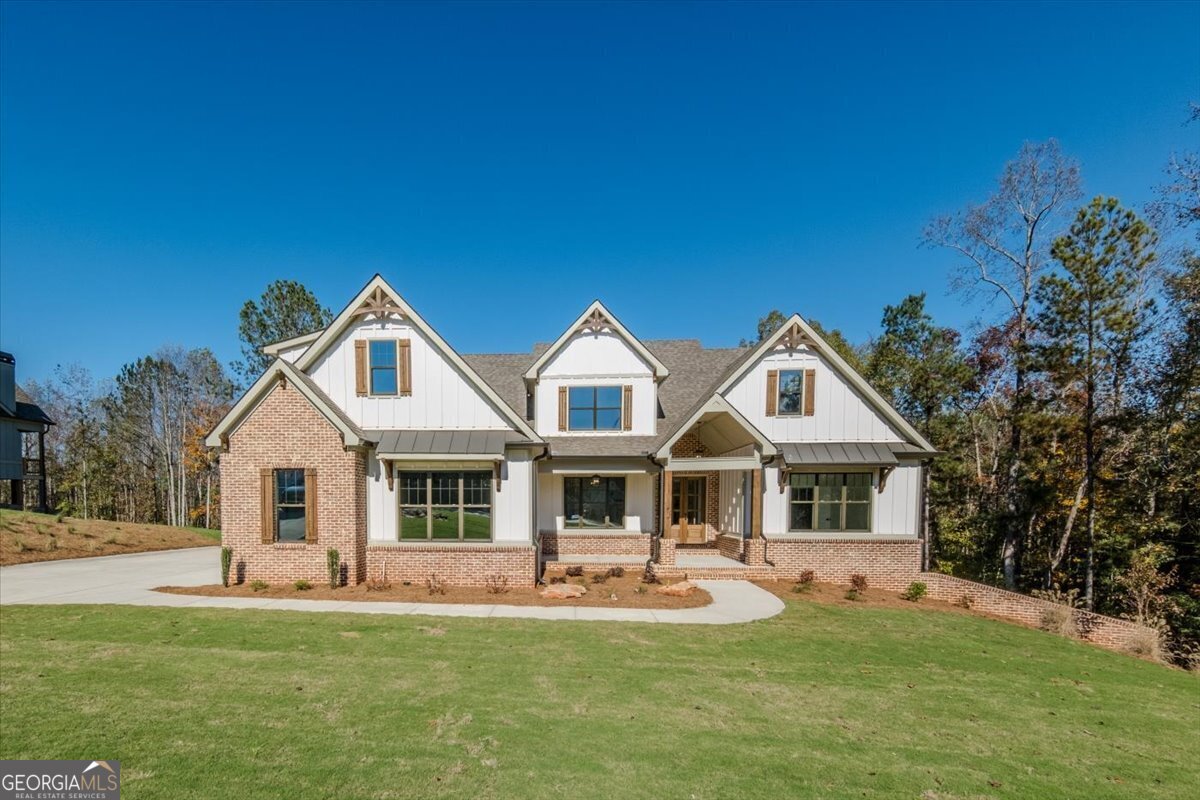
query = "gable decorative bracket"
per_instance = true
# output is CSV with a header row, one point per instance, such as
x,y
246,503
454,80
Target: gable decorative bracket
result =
x,y
794,338
784,475
379,304
595,322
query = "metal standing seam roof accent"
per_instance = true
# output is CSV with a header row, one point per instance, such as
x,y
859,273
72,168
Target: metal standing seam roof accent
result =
x,y
443,443
838,453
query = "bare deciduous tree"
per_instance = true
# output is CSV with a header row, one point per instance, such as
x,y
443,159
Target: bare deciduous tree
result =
x,y
1004,248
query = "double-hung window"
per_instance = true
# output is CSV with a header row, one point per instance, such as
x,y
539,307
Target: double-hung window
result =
x,y
594,408
446,506
830,501
595,502
383,367
290,520
791,391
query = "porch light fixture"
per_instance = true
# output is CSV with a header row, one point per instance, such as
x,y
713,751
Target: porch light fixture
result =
x,y
595,480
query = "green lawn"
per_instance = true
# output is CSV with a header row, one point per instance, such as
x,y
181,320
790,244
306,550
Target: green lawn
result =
x,y
823,701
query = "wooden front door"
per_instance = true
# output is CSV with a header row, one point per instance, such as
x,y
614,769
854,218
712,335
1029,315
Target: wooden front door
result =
x,y
687,509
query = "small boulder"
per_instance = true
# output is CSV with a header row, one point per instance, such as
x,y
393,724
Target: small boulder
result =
x,y
681,589
564,591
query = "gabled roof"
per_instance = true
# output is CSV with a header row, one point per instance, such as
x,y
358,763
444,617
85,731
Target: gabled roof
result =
x,y
380,299
796,332
352,435
716,404
597,318
275,348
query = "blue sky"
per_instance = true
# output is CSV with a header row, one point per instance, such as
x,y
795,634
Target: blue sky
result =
x,y
693,165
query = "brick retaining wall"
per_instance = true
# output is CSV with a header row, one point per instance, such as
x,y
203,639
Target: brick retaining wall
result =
x,y
1109,632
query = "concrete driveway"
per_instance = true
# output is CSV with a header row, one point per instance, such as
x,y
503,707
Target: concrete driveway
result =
x,y
130,580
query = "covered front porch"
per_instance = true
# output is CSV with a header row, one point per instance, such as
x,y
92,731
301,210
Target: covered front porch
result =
x,y
712,495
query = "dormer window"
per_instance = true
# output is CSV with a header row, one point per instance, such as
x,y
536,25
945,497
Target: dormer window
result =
x,y
594,408
791,391
383,366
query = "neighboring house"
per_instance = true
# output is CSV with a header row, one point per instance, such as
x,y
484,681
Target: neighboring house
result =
x,y
20,418
374,437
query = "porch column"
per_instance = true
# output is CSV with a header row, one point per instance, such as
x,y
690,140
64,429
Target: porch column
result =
x,y
665,494
756,503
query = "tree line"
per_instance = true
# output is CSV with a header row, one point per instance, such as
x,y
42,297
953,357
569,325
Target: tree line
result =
x,y
1067,417
1068,420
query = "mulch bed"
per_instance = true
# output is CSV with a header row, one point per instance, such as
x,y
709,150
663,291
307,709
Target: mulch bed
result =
x,y
598,594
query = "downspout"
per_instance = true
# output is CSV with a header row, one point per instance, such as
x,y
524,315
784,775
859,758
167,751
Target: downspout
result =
x,y
656,535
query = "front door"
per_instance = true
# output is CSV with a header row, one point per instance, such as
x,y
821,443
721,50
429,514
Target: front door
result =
x,y
687,509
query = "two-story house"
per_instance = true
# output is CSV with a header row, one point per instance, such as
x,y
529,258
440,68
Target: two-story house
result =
x,y
375,438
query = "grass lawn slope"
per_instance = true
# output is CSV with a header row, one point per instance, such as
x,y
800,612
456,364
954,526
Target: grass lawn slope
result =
x,y
26,536
823,701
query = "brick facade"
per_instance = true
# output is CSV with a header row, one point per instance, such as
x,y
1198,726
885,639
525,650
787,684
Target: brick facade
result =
x,y
286,431
887,563
596,544
456,564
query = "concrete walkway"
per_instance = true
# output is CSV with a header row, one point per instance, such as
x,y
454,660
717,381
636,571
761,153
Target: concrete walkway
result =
x,y
130,580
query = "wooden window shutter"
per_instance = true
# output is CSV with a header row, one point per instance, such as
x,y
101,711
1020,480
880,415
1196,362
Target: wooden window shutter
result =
x,y
267,484
404,365
627,409
360,367
310,506
810,389
772,392
562,408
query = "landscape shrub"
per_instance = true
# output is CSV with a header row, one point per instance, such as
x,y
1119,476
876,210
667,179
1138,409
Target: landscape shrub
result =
x,y
648,575
915,591
496,584
1146,644
574,572
435,585
59,519
381,584
965,602
558,579
616,572
806,582
333,560
600,577
858,585
226,563
258,585
51,544
1059,619
302,585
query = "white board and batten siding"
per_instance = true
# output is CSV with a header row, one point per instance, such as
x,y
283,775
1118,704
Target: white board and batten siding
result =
x,y
639,504
840,414
442,397
512,506
732,501
291,354
894,511
596,359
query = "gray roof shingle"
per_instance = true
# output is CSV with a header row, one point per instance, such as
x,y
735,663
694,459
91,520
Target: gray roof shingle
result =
x,y
695,372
